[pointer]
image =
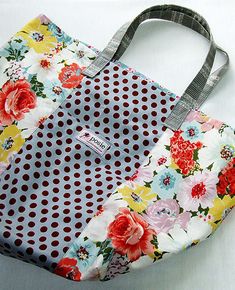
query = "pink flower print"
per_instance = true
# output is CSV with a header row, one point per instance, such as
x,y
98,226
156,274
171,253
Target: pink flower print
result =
x,y
164,214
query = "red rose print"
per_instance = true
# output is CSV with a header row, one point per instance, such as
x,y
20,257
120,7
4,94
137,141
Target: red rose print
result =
x,y
70,76
16,99
131,235
67,268
182,152
226,184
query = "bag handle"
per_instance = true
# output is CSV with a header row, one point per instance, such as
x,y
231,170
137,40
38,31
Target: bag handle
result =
x,y
203,83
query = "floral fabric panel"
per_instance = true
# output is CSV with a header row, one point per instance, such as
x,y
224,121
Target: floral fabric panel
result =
x,y
177,198
39,67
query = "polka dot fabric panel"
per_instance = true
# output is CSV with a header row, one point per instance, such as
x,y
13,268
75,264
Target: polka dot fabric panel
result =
x,y
55,184
127,109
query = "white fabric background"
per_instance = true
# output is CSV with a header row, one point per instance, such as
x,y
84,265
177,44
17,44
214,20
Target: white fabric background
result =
x,y
171,55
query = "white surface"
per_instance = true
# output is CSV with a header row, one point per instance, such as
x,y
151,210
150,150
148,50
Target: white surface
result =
x,y
171,55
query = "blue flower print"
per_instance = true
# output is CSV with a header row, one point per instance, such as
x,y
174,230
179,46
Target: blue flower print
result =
x,y
165,183
54,91
85,252
191,131
59,34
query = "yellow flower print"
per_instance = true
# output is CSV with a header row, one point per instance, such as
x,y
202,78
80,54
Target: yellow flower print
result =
x,y
38,36
138,197
10,141
220,209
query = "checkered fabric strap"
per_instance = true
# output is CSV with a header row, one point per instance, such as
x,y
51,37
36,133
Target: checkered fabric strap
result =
x,y
203,83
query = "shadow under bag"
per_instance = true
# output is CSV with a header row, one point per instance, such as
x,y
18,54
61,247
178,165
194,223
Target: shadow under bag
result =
x,y
103,170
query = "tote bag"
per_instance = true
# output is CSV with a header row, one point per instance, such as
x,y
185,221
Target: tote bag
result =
x,y
109,171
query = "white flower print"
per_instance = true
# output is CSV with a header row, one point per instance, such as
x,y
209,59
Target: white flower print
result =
x,y
46,66
79,53
36,116
180,239
217,150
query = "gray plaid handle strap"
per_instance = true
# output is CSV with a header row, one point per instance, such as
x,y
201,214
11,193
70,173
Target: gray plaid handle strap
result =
x,y
201,86
183,107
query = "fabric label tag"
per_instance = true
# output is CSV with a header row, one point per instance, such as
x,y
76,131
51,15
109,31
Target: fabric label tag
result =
x,y
93,141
